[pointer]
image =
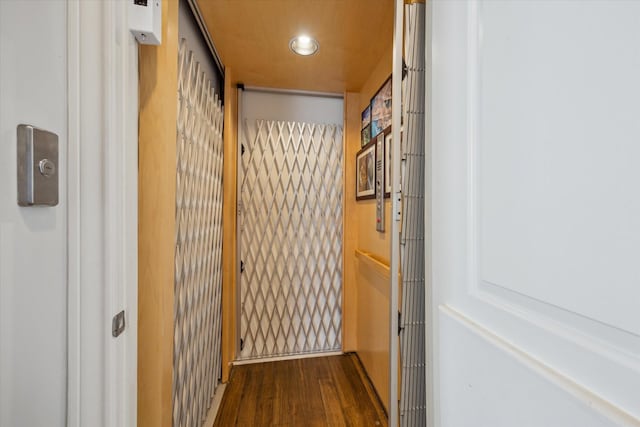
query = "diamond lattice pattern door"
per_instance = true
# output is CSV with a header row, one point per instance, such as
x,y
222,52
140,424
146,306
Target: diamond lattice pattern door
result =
x,y
197,357
290,238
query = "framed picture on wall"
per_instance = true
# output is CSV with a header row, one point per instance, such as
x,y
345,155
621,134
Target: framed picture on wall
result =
x,y
381,109
366,117
366,126
388,151
365,172
387,162
366,136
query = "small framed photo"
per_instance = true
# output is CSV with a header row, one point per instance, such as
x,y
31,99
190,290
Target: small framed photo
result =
x,y
365,136
387,162
366,117
365,172
381,109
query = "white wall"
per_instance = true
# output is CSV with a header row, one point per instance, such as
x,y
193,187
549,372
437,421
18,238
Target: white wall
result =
x,y
292,107
33,242
536,214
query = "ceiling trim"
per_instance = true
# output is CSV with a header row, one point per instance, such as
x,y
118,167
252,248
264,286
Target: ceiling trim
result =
x,y
293,92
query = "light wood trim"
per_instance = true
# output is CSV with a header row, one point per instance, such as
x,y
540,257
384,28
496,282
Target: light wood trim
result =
x,y
229,253
350,228
158,68
378,264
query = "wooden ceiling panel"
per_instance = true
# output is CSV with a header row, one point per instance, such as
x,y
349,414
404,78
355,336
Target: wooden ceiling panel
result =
x,y
252,37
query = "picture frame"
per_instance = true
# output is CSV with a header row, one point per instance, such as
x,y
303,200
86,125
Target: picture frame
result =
x,y
366,172
365,133
365,136
366,117
381,109
387,162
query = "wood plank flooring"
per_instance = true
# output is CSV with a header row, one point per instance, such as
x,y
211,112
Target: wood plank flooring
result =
x,y
322,391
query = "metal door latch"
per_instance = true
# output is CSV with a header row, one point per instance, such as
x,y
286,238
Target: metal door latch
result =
x,y
117,324
37,166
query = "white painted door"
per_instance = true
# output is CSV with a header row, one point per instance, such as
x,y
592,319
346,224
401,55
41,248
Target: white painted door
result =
x,y
536,213
33,243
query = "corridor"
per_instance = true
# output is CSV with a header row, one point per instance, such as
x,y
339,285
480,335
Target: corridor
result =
x,y
319,391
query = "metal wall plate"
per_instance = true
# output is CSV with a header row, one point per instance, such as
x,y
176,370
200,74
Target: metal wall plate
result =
x,y
37,166
118,324
380,183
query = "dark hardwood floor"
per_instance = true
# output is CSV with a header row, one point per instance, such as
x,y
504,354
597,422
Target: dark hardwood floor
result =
x,y
322,391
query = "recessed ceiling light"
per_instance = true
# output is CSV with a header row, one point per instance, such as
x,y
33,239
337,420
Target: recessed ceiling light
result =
x,y
304,45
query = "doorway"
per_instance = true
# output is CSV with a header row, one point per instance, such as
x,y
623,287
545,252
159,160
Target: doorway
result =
x,y
290,173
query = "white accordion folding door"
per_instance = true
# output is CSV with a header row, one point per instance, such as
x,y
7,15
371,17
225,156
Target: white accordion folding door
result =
x,y
413,399
198,272
290,237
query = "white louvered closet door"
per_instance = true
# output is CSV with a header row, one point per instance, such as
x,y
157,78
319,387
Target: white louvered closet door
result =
x,y
290,236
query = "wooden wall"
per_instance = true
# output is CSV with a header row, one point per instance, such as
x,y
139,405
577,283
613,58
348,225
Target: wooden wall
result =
x,y
156,217
366,288
350,239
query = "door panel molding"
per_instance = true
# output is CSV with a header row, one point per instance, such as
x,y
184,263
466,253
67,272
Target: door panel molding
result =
x,y
537,367
534,201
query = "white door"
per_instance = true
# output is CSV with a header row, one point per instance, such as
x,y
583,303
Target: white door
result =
x,y
536,213
33,242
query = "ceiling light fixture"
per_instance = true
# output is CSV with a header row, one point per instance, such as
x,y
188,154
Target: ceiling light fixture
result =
x,y
304,45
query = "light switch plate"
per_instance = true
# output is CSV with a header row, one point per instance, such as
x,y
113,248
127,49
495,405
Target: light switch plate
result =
x,y
37,166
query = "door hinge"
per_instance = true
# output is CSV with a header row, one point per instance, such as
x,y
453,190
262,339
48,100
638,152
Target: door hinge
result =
x,y
400,328
241,266
117,324
241,344
241,149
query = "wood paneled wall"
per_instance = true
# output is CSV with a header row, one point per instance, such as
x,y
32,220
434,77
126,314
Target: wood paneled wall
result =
x,y
158,68
373,320
350,239
366,293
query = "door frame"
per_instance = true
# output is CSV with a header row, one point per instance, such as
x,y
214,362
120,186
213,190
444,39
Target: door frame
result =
x,y
239,209
430,310
102,84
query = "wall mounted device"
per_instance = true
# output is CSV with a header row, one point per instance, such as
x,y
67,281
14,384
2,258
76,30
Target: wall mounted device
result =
x,y
380,183
145,20
37,166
